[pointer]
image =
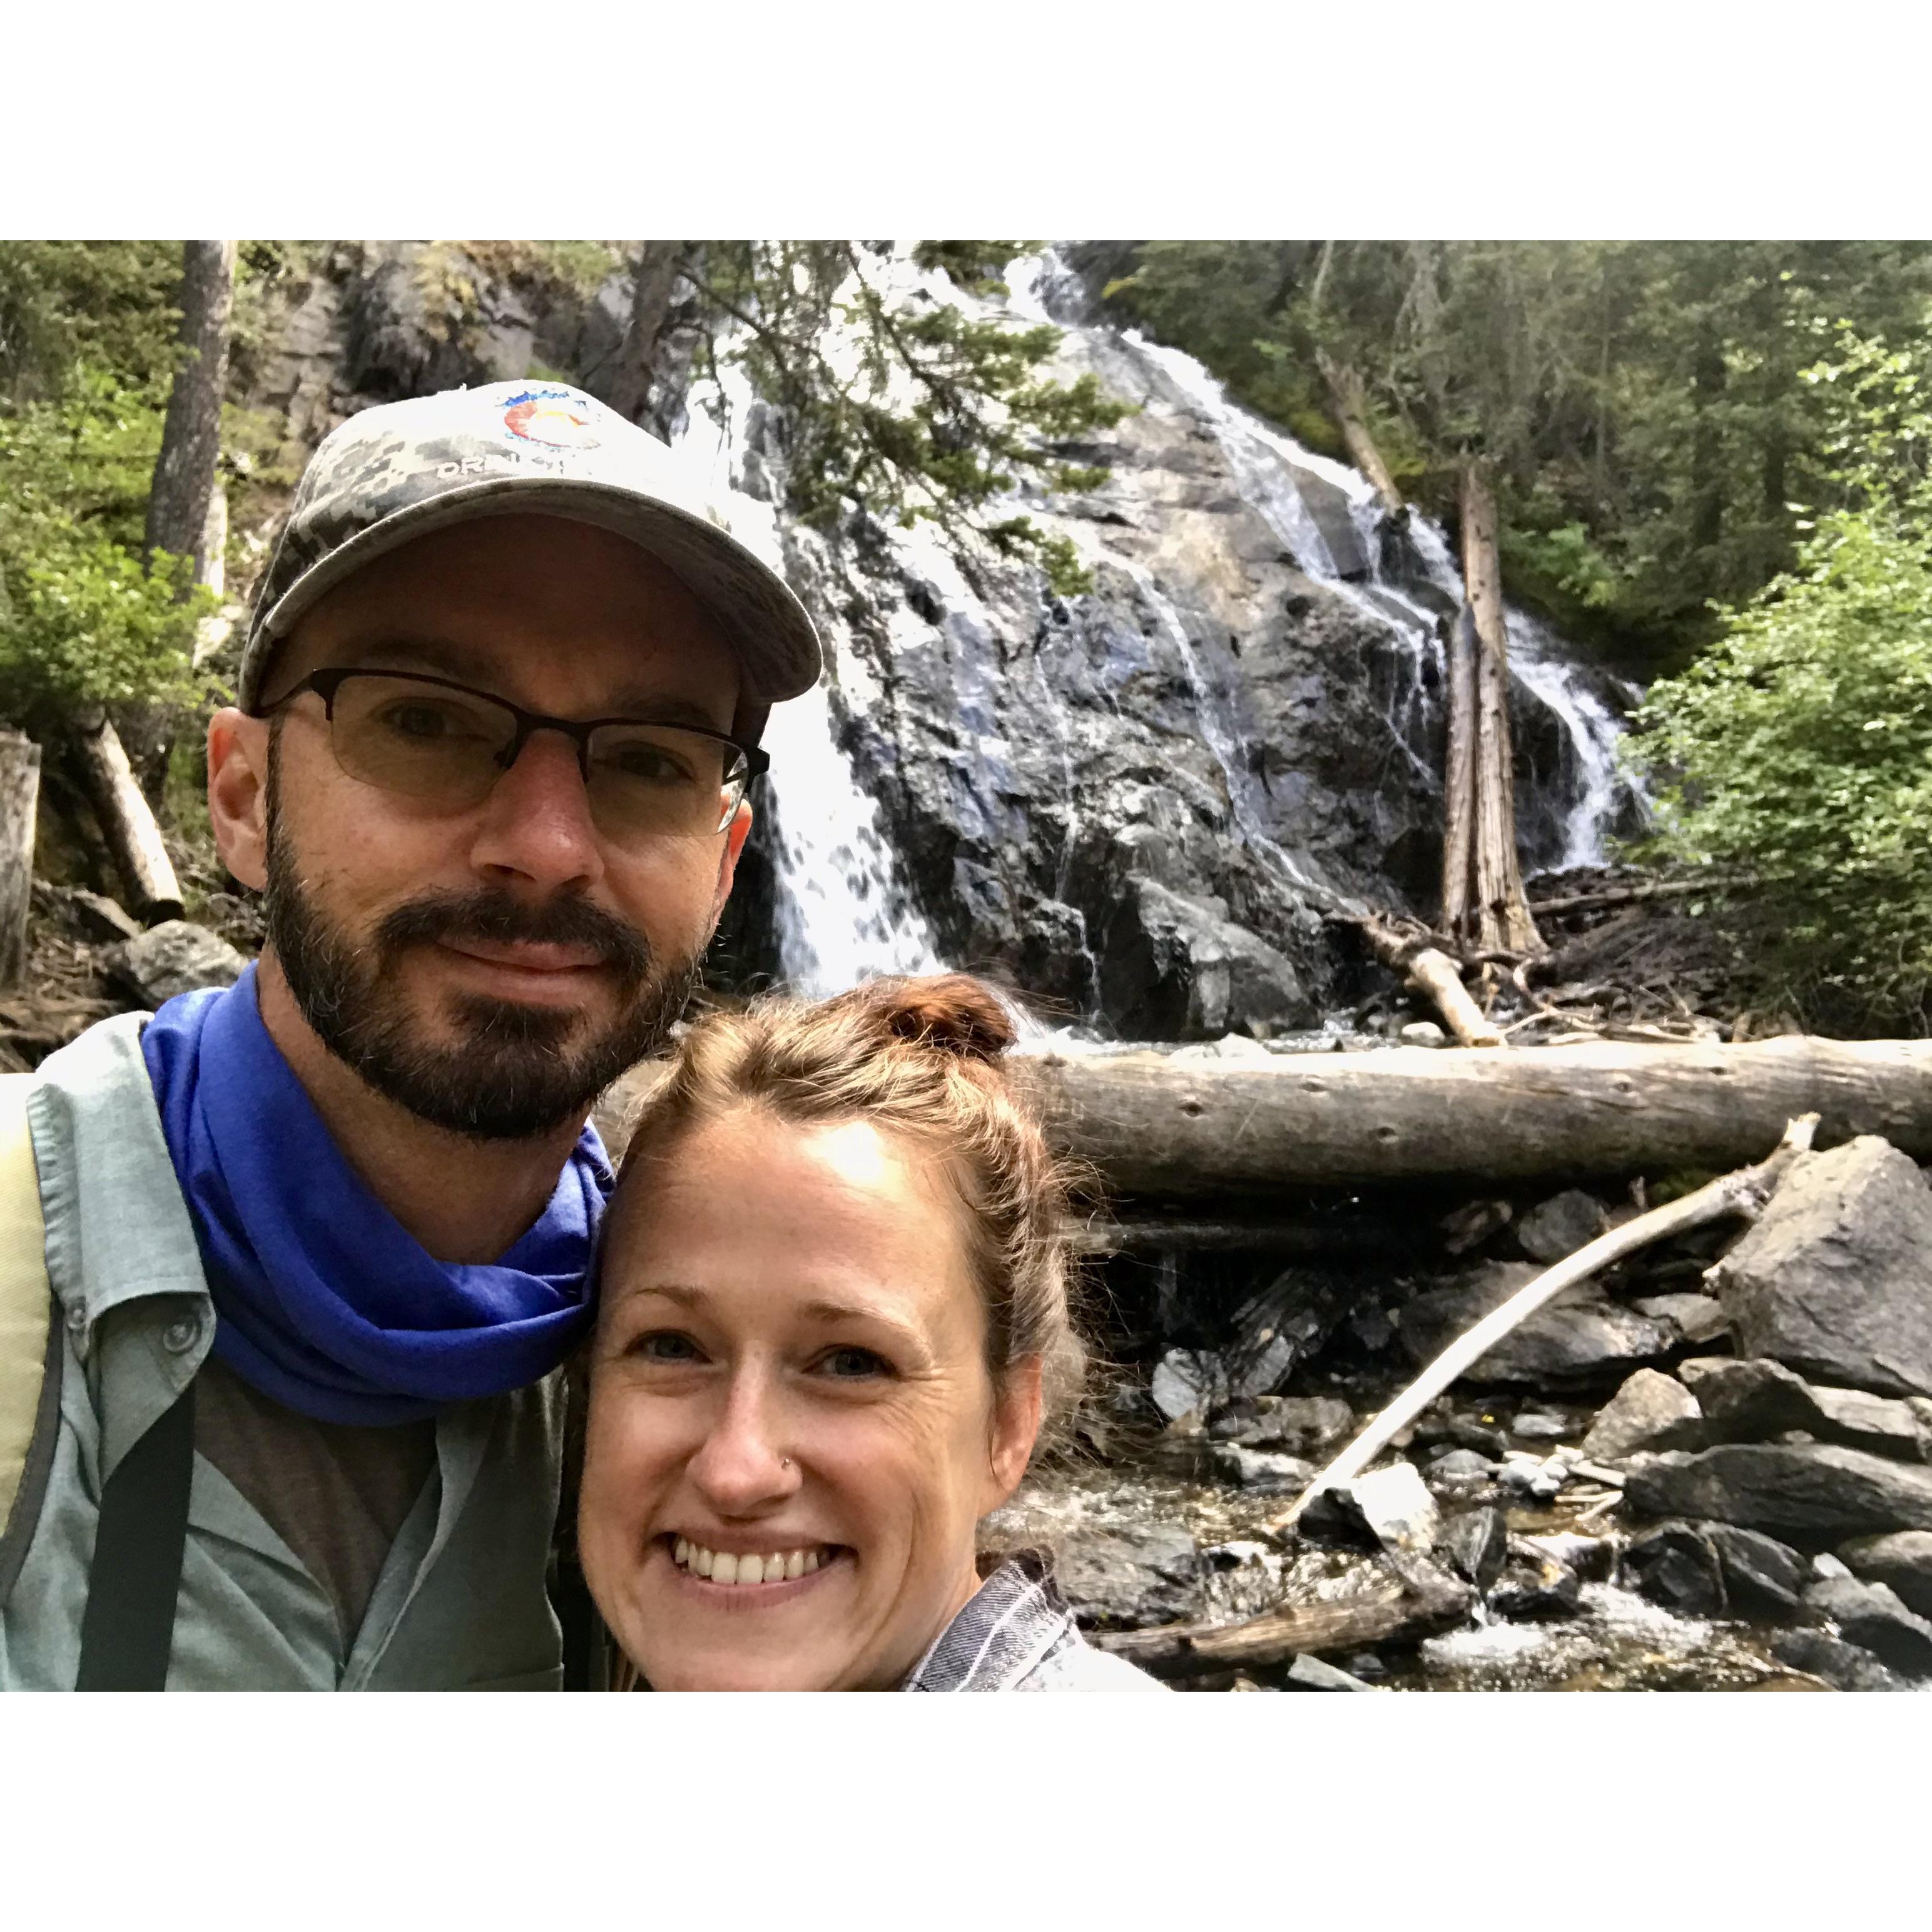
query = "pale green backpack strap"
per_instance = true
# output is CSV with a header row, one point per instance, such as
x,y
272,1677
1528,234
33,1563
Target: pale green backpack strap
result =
x,y
31,1350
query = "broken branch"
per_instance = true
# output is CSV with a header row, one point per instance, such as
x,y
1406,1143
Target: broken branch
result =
x,y
1741,1195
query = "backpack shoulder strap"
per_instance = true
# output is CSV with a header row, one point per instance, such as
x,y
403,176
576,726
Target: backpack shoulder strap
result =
x,y
30,1341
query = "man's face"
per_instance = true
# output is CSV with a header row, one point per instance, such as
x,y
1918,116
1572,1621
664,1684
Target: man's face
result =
x,y
490,966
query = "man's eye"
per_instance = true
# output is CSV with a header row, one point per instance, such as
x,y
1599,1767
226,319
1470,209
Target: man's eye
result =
x,y
852,1364
648,764
666,1345
421,720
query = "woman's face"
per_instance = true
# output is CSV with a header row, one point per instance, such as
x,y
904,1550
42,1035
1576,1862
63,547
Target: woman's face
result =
x,y
790,1384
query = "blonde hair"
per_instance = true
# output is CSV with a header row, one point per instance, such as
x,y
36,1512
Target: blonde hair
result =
x,y
923,1058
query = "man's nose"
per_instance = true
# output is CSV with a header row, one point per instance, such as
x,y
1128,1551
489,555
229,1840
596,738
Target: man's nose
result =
x,y
741,1469
536,824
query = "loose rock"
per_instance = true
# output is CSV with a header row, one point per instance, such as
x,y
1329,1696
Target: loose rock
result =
x,y
1835,1278
1698,1319
1395,1504
1302,1425
1675,1564
1651,1411
1264,1471
1580,1335
1123,1577
1753,1401
1423,1033
176,956
1561,1226
1842,1665
1471,1225
1475,1544
1534,1588
1903,1562
1762,1577
1311,1673
1871,1616
1810,1496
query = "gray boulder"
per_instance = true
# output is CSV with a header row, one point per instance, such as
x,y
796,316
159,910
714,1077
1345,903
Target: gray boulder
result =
x,y
1813,1495
1871,1616
1475,1544
1651,1411
1561,1224
1263,1471
1178,967
1121,1577
1843,1665
1835,1279
1759,1399
1902,1562
1581,1335
1302,1425
177,956
1762,1577
1698,1319
1676,1564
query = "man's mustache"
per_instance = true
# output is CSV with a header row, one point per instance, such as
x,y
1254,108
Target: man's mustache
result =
x,y
499,919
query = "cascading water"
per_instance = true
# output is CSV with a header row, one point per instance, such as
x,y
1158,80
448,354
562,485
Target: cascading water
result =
x,y
844,913
1279,478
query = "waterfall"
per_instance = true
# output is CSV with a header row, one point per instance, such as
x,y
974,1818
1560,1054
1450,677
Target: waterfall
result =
x,y
1327,517
844,913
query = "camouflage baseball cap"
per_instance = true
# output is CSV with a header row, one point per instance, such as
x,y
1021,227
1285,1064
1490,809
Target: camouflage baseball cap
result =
x,y
397,472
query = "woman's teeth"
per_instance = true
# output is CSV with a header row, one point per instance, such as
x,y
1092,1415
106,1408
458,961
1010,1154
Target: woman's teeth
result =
x,y
722,1567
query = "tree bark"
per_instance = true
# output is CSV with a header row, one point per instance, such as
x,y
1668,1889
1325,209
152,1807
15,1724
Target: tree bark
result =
x,y
1204,1133
1434,975
178,519
1503,921
1345,389
1459,780
19,797
127,824
654,283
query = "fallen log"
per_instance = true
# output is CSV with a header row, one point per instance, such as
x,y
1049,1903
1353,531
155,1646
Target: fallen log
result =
x,y
1391,1613
19,795
1738,1196
1213,1131
127,824
1315,1238
1622,895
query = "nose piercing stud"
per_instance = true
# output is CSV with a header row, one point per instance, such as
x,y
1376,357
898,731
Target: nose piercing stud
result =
x,y
784,1461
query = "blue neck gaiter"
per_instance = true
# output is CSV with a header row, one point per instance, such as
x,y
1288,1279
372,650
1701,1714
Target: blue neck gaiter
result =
x,y
324,1301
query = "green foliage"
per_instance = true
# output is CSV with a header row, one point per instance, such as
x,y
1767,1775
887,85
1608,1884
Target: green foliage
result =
x,y
1642,402
87,339
1798,749
928,413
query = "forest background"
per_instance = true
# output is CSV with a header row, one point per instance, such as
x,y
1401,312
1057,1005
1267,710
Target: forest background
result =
x,y
1710,462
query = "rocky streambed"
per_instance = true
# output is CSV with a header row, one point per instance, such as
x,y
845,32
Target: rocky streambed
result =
x,y
1711,1469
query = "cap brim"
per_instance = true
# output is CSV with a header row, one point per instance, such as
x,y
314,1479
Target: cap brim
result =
x,y
763,620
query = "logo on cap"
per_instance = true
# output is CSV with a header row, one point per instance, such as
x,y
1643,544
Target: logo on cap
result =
x,y
554,418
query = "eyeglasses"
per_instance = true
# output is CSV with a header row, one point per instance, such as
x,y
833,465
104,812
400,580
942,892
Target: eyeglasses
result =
x,y
432,739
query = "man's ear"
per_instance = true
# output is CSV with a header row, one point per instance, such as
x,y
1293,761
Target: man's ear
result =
x,y
735,833
1016,1428
237,792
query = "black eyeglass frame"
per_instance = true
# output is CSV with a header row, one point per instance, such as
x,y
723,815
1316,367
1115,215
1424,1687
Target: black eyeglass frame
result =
x,y
326,683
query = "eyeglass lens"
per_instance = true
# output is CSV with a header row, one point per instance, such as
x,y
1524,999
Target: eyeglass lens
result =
x,y
426,741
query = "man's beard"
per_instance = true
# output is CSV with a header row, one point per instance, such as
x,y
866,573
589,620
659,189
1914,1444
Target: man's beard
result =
x,y
509,1075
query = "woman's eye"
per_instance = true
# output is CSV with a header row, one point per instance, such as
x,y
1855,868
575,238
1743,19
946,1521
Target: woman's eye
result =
x,y
666,1345
853,1364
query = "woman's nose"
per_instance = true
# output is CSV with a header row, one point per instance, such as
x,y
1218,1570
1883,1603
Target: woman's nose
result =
x,y
740,1468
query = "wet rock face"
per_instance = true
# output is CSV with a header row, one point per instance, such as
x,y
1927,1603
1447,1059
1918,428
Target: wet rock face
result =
x,y
1125,1576
1835,1279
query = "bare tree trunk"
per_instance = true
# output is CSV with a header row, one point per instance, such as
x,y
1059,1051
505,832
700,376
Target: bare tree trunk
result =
x,y
191,437
128,825
181,522
654,281
19,797
1459,780
1503,923
1345,388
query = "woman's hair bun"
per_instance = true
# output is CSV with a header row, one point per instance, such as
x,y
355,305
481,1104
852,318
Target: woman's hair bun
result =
x,y
951,1013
